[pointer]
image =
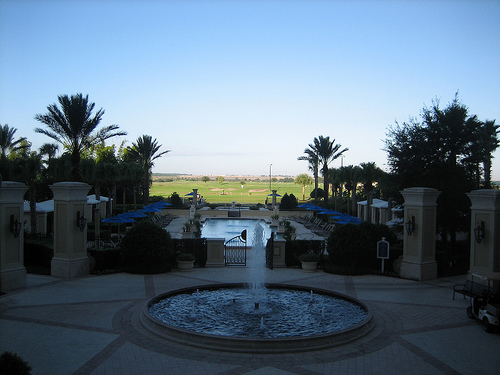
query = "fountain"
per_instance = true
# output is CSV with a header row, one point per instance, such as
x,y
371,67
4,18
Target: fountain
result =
x,y
257,317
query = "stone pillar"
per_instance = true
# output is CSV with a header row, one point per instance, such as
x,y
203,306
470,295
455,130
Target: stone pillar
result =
x,y
279,252
485,255
70,242
274,200
419,251
12,270
192,209
215,252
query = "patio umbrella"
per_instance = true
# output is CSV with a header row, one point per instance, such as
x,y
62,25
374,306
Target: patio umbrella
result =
x,y
316,208
270,195
346,219
149,209
118,219
160,204
133,214
304,205
330,212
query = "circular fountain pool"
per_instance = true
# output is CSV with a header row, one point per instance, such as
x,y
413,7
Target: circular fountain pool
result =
x,y
277,318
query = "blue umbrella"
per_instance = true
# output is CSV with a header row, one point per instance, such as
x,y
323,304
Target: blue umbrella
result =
x,y
346,219
118,219
160,204
329,212
150,209
133,214
304,205
316,208
270,195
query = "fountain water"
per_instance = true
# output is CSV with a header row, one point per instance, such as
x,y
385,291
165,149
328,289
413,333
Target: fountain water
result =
x,y
256,265
257,317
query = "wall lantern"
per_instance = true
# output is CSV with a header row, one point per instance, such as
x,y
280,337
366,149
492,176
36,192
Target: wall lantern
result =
x,y
81,222
410,225
479,232
15,226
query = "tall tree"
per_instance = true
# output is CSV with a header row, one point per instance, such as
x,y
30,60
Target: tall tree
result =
x,y
440,153
145,150
327,151
489,141
75,127
304,180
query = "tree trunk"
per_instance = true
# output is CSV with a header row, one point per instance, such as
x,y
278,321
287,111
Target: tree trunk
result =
x,y
325,185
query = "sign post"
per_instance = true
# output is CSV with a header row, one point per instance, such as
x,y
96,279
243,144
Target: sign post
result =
x,y
383,251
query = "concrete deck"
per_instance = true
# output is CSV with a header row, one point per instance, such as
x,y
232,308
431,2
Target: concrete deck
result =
x,y
90,325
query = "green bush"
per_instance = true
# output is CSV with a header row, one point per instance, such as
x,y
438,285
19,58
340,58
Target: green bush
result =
x,y
288,202
353,248
12,364
175,200
146,248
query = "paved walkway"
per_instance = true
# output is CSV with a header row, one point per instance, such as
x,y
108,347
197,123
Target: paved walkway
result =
x,y
90,325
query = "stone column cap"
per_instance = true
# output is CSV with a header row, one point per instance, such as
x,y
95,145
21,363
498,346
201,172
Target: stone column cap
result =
x,y
420,196
70,191
12,191
488,199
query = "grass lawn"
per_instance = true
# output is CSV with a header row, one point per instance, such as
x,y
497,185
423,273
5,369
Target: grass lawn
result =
x,y
229,191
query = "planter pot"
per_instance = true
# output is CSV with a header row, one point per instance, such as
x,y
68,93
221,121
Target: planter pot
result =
x,y
185,265
309,266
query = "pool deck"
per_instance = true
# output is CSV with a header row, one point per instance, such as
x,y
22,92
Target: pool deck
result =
x,y
90,325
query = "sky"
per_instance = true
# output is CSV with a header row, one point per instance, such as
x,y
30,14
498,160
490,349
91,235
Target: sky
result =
x,y
242,87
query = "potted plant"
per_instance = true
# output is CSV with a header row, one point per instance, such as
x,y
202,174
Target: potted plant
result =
x,y
309,261
185,261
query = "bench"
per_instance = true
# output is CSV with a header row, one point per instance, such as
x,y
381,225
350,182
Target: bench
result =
x,y
469,289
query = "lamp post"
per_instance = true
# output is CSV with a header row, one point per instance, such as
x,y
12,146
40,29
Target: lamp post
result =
x,y
270,174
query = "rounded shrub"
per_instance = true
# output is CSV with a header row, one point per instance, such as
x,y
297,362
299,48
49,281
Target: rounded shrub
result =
x,y
353,248
11,363
146,248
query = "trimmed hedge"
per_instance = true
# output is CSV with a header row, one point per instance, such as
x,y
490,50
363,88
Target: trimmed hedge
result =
x,y
146,248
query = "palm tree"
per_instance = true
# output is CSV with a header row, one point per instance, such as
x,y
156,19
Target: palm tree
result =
x,y
74,126
351,175
144,151
28,170
50,150
7,142
337,178
370,173
327,151
312,158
